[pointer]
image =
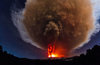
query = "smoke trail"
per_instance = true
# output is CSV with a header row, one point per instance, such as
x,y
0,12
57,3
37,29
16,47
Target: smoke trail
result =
x,y
17,17
96,14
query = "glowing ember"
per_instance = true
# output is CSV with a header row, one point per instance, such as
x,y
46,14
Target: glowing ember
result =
x,y
51,51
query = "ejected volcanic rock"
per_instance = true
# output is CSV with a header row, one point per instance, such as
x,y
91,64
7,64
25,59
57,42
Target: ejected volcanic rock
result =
x,y
65,22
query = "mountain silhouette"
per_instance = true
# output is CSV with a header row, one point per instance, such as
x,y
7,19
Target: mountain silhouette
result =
x,y
92,57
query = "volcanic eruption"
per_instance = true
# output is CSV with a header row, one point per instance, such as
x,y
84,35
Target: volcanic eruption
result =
x,y
51,51
58,26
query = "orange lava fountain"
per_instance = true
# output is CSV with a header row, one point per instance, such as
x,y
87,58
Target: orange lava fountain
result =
x,y
51,51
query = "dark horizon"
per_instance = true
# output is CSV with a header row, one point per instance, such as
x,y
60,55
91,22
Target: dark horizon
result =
x,y
91,57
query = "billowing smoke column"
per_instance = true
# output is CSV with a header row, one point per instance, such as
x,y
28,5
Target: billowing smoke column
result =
x,y
66,22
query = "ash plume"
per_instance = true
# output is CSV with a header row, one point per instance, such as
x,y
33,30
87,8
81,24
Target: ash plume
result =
x,y
68,22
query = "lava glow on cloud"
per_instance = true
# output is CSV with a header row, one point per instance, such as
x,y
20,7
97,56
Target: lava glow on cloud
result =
x,y
70,23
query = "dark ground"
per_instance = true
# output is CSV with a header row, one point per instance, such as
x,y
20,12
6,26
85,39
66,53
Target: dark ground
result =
x,y
92,57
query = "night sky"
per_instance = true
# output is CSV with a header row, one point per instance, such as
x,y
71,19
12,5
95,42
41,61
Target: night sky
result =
x,y
10,38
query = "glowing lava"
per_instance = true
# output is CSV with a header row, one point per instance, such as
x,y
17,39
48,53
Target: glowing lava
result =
x,y
53,56
51,51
